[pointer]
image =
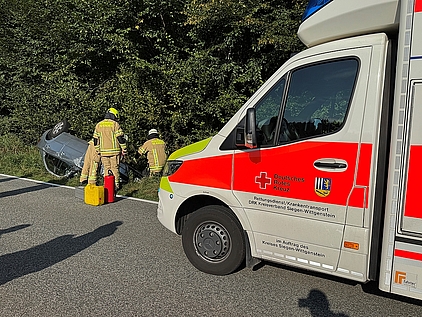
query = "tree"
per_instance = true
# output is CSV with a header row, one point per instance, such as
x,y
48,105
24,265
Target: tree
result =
x,y
56,56
182,66
234,47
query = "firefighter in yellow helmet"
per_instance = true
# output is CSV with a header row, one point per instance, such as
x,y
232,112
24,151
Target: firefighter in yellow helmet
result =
x,y
154,148
110,143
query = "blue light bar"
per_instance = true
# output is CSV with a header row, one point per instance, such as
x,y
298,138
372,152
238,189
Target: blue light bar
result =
x,y
313,6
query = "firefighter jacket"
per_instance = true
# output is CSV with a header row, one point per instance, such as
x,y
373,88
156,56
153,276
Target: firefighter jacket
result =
x,y
156,154
109,138
91,160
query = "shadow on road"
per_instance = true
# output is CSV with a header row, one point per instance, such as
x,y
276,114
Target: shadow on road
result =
x,y
306,272
318,305
369,287
21,263
373,289
24,190
6,179
15,228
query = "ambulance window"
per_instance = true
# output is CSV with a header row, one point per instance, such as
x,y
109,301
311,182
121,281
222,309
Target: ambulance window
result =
x,y
267,112
318,100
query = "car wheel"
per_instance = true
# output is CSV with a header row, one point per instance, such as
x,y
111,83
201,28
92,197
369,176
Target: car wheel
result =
x,y
213,240
62,126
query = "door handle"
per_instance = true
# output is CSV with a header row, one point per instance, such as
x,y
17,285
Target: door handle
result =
x,y
331,165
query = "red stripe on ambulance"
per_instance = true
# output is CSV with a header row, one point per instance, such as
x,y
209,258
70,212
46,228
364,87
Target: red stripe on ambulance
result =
x,y
412,205
359,194
408,254
418,5
214,172
269,172
289,171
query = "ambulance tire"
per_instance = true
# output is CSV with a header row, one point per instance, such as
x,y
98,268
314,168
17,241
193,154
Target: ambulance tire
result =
x,y
213,240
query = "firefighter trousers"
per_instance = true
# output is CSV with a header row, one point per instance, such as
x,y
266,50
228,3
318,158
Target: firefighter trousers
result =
x,y
112,163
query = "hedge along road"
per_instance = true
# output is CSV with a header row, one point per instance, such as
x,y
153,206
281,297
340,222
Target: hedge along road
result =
x,y
61,257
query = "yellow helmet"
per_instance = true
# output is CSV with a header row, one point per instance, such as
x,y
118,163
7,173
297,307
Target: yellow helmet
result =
x,y
114,112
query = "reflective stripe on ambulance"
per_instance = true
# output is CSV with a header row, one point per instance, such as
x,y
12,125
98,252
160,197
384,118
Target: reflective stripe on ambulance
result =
x,y
276,180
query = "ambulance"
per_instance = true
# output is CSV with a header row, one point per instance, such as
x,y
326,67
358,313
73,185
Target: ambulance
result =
x,y
321,168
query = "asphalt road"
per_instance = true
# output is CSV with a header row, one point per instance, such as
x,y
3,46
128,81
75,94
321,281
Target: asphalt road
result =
x,y
61,257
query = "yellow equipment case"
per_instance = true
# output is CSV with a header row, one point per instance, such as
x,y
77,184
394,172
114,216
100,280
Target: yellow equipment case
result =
x,y
94,195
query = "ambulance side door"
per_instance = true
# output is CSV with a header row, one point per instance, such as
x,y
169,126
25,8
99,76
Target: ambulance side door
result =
x,y
412,214
297,185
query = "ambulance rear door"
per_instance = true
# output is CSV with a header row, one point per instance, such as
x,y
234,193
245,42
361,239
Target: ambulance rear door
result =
x,y
411,222
401,259
306,187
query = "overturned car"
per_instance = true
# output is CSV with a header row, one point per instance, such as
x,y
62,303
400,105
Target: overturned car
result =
x,y
63,153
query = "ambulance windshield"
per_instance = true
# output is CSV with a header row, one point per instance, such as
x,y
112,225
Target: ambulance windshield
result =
x,y
313,6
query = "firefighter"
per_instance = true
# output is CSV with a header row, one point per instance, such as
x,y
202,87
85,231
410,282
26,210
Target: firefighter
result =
x,y
110,143
154,148
91,162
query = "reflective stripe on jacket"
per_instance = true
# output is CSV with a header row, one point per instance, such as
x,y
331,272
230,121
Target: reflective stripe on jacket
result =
x,y
107,132
156,154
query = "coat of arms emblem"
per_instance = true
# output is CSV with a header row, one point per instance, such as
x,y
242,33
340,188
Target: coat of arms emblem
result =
x,y
322,186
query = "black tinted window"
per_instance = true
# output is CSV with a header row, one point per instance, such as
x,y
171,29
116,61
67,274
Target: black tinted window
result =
x,y
267,112
318,99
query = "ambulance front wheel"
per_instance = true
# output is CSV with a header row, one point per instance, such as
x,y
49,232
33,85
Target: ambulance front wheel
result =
x,y
213,240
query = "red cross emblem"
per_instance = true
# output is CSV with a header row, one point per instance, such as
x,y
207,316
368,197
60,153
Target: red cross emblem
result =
x,y
263,180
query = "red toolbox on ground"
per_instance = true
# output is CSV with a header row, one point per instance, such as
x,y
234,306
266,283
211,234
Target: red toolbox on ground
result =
x,y
94,195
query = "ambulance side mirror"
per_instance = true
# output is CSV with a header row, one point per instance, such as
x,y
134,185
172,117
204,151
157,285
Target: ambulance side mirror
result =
x,y
250,129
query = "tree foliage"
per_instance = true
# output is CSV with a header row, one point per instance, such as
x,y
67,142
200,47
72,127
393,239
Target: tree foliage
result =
x,y
182,66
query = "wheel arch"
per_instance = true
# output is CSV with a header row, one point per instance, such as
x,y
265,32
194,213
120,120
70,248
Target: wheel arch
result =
x,y
194,203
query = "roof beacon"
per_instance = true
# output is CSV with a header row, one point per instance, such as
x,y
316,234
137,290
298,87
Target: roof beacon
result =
x,y
325,20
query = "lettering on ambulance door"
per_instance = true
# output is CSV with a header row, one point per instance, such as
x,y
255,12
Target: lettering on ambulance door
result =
x,y
296,185
412,212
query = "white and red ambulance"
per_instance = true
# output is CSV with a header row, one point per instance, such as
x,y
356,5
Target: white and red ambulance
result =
x,y
320,168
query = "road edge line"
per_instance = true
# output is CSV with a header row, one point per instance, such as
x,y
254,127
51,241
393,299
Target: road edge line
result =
x,y
70,187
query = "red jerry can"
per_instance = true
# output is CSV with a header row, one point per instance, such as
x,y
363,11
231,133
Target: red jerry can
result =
x,y
109,187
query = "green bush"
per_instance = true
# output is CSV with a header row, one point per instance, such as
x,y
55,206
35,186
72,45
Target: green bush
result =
x,y
181,66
